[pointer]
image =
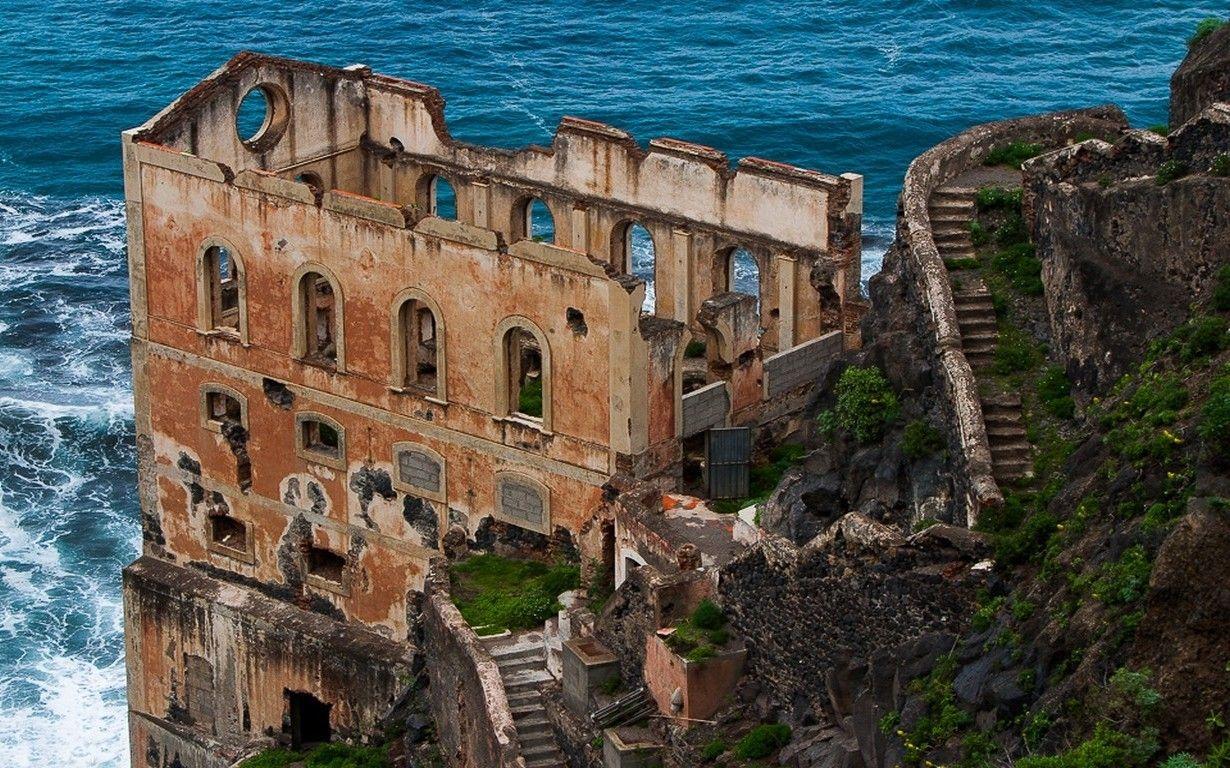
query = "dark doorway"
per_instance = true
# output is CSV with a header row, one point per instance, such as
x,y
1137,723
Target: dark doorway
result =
x,y
607,578
728,455
309,719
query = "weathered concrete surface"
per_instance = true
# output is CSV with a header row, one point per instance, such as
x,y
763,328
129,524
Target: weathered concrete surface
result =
x,y
254,648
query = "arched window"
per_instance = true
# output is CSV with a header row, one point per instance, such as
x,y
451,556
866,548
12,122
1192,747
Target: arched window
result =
x,y
532,220
633,245
312,179
418,344
441,198
320,439
221,295
524,376
317,309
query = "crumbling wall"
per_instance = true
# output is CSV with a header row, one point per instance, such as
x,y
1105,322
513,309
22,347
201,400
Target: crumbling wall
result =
x,y
255,648
1112,286
474,724
856,588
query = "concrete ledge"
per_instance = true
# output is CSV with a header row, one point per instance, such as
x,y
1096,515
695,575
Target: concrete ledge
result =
x,y
268,183
181,162
554,256
457,232
349,204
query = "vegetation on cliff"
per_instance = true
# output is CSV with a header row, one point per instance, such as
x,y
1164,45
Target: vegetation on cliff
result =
x,y
495,593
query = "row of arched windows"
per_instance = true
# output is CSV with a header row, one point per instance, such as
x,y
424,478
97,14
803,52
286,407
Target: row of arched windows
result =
x,y
417,334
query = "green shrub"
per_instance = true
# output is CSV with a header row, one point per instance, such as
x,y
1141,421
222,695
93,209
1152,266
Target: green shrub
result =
x,y
1022,268
1107,748
978,234
529,399
1205,28
1181,760
694,349
888,724
1220,165
708,615
1171,170
1014,352
1215,416
1135,690
998,198
984,617
1201,337
1219,756
1221,288
1028,541
1124,581
921,439
944,717
1054,390
713,750
1161,129
1012,231
866,404
1012,154
503,593
333,755
762,741
276,757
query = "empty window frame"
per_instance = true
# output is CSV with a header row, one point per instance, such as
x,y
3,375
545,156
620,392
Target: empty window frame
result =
x,y
525,372
441,197
418,361
532,220
229,536
633,249
320,439
221,294
326,568
317,307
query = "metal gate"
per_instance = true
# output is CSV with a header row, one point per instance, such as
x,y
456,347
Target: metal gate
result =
x,y
728,454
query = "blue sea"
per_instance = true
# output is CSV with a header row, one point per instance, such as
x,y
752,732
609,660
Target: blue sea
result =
x,y
858,87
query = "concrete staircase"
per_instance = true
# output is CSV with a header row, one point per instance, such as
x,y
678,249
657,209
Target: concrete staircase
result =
x,y
951,210
523,667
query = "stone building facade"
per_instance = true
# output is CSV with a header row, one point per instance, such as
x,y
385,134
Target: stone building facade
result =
x,y
353,334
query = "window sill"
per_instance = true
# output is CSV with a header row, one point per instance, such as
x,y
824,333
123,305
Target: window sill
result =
x,y
242,555
324,365
527,422
323,459
416,392
327,585
228,336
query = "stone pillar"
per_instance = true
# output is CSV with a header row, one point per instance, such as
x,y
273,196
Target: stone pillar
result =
x,y
580,229
786,292
680,276
480,205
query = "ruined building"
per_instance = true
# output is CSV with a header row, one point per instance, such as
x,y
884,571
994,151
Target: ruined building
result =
x,y
355,336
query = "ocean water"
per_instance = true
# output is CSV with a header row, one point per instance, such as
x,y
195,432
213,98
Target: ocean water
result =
x,y
838,86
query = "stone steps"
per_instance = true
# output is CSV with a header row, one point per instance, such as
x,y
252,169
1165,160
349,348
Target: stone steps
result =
x,y
523,667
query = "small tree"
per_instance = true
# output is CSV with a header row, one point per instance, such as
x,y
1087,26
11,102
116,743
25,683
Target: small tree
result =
x,y
865,403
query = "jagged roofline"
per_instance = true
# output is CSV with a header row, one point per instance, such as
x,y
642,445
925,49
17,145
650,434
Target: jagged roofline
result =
x,y
156,127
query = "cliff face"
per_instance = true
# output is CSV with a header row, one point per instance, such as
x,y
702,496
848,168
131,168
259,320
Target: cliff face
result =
x,y
1130,235
1203,78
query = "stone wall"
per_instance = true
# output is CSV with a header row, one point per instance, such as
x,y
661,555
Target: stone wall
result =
x,y
854,589
932,169
474,724
1112,285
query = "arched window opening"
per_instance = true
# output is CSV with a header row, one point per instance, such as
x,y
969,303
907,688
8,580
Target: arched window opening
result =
x,y
320,439
442,199
633,245
525,373
534,222
312,179
743,273
223,273
420,363
319,304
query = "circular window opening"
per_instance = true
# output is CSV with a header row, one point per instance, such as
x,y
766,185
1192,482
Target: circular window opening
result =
x,y
262,117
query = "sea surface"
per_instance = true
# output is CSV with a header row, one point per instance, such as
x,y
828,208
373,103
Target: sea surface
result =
x,y
859,87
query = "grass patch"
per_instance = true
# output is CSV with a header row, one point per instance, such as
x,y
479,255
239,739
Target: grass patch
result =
x,y
1221,289
921,439
1161,129
701,635
944,718
529,399
713,750
1107,748
998,198
1015,351
978,234
762,741
1021,267
1012,154
1054,391
334,755
1215,416
1171,170
503,593
1206,27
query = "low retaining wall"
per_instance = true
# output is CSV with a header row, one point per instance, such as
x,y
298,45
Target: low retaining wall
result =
x,y
930,170
473,721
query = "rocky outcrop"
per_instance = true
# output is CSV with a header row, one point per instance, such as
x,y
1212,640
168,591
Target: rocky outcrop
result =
x,y
858,587
1203,78
1125,251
